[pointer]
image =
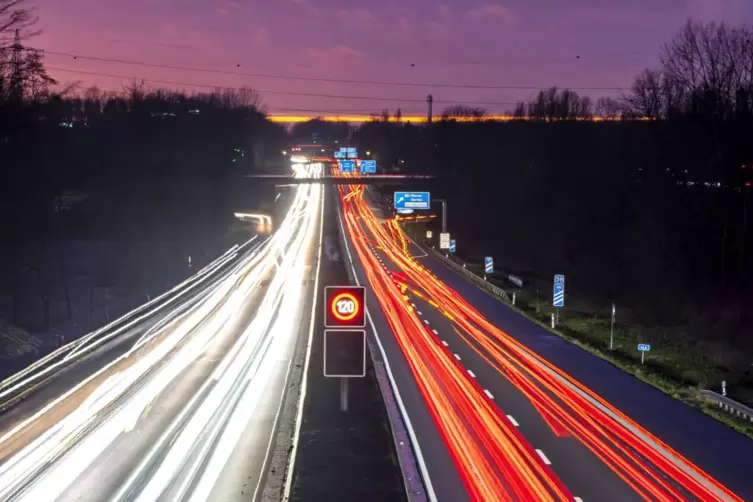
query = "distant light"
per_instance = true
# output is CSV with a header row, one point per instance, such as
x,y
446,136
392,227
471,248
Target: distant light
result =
x,y
368,152
322,149
284,152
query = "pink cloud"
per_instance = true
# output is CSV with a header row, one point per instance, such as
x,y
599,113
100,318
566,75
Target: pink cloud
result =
x,y
490,11
307,7
359,19
335,56
437,30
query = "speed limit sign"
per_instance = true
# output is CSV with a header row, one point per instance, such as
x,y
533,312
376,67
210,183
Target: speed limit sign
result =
x,y
345,306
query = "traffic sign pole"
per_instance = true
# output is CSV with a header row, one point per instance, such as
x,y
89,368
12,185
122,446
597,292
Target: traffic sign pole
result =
x,y
611,329
643,353
343,394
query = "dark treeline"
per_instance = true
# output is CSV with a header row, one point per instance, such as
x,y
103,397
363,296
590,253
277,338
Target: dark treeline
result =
x,y
152,169
651,211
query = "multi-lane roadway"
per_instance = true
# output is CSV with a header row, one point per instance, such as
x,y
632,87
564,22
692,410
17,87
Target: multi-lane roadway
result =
x,y
178,400
491,419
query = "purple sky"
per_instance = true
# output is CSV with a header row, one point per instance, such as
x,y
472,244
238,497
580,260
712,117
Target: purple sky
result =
x,y
514,43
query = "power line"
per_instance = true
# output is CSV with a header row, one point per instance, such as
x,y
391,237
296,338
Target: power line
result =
x,y
322,79
287,93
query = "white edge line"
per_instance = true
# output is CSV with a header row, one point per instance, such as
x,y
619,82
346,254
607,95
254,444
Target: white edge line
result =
x,y
577,499
408,425
304,380
457,357
513,421
473,375
435,331
445,343
489,394
543,457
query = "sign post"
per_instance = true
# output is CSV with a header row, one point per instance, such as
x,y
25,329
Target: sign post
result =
x,y
611,328
488,265
413,200
558,296
452,245
345,345
643,348
444,240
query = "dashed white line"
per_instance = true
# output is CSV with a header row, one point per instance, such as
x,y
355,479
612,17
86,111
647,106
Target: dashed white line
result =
x,y
543,457
445,343
426,321
513,421
418,312
413,305
486,391
577,499
435,331
472,374
457,357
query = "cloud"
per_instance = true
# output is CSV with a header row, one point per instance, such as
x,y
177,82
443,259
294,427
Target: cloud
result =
x,y
437,30
261,37
490,11
335,56
404,29
359,19
307,7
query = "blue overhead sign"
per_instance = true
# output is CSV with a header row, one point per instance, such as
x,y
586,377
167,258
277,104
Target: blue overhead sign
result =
x,y
352,153
489,265
347,166
452,245
644,347
339,155
412,200
558,298
368,166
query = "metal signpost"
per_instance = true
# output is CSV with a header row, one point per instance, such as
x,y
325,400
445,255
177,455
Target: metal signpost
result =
x,y
344,346
452,245
347,166
444,240
412,200
368,166
558,298
643,348
489,265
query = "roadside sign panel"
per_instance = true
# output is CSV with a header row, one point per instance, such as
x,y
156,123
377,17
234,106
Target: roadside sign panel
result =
x,y
344,353
347,166
558,298
444,240
412,200
429,234
644,347
344,307
368,166
489,265
452,245
339,155
351,153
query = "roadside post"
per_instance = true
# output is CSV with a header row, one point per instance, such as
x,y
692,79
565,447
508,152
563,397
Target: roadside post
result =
x,y
558,297
643,348
611,328
513,297
344,336
724,388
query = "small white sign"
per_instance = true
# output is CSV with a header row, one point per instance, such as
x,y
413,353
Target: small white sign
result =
x,y
429,234
444,240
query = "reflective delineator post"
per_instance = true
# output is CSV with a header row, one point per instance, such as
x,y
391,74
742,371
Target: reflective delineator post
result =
x,y
513,297
553,320
611,328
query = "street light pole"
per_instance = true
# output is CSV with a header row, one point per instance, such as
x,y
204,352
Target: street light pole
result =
x,y
611,328
444,214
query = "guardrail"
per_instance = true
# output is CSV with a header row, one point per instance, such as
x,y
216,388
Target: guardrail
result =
x,y
495,290
729,405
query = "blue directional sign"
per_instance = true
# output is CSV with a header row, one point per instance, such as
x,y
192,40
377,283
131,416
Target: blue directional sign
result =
x,y
558,299
339,155
368,166
352,153
644,347
347,166
452,245
489,265
412,200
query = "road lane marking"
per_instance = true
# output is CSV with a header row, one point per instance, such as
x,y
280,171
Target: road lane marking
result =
x,y
513,421
425,477
435,331
418,312
486,391
426,321
543,457
472,374
413,305
445,343
457,357
578,499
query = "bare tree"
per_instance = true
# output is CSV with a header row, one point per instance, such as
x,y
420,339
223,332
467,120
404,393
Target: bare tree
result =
x,y
520,110
462,111
15,16
608,108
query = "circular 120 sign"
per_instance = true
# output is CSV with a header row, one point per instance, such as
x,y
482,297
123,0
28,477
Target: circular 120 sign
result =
x,y
344,306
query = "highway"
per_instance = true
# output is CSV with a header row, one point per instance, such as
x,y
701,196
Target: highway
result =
x,y
490,418
180,399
